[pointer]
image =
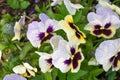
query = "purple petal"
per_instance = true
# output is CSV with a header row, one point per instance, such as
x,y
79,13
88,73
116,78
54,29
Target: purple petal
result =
x,y
43,17
37,1
13,77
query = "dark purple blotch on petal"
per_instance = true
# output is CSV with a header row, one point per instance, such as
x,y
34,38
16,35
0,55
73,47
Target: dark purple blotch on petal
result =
x,y
50,29
116,59
46,38
67,61
77,32
97,32
111,59
107,25
49,60
97,26
41,35
107,32
72,50
77,57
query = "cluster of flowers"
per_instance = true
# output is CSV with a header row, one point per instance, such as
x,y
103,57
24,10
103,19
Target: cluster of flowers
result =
x,y
67,55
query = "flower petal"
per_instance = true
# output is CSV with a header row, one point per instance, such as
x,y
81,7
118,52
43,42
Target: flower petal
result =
x,y
55,2
13,77
43,17
54,41
19,69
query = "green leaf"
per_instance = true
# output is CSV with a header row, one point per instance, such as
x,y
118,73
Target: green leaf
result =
x,y
75,76
25,50
13,3
111,75
37,9
24,4
77,16
48,76
61,76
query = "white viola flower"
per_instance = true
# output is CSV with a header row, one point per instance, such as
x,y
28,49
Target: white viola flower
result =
x,y
108,54
13,77
67,56
17,28
72,8
73,32
40,32
103,23
45,60
108,4
26,70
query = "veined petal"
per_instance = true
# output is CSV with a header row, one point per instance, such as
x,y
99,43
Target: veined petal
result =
x,y
54,41
19,69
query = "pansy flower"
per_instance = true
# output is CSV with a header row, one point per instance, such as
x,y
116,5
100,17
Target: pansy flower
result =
x,y
25,70
13,77
103,23
108,54
17,28
0,55
72,31
72,8
67,56
40,32
45,60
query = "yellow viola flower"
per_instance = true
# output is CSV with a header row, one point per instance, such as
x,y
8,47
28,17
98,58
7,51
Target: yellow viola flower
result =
x,y
72,31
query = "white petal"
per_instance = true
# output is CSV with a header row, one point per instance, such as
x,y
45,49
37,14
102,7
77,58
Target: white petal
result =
x,y
70,9
43,17
31,72
106,65
59,63
34,30
55,2
54,41
106,50
17,31
28,66
20,69
43,64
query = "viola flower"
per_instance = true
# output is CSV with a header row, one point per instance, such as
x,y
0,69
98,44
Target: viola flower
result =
x,y
108,54
45,60
72,31
26,70
40,32
72,8
107,4
67,56
13,77
103,23
17,28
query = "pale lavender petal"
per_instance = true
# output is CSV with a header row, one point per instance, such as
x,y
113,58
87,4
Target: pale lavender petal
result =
x,y
43,17
13,77
55,2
